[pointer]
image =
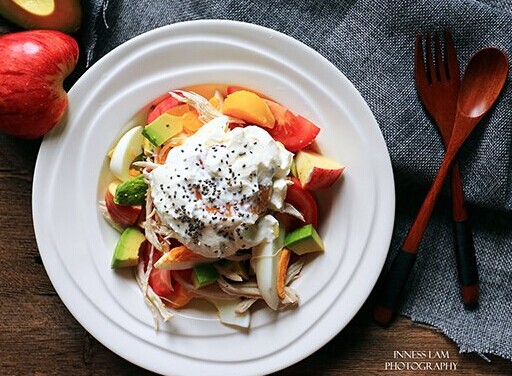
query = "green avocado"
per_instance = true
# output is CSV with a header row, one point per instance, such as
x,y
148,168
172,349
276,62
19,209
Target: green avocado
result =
x,y
204,274
127,249
304,240
162,128
131,192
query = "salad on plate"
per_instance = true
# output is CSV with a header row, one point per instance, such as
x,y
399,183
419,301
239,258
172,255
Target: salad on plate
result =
x,y
214,199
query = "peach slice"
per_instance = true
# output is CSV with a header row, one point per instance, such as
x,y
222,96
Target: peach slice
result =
x,y
316,171
249,107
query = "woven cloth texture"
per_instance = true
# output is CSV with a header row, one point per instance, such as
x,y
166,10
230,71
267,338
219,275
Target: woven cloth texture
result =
x,y
372,43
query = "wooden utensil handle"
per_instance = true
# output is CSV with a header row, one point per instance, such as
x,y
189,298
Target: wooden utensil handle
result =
x,y
464,246
466,263
402,264
393,285
415,234
458,206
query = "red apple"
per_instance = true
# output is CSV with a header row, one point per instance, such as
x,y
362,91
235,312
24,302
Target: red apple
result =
x,y
304,202
62,15
316,171
33,66
123,215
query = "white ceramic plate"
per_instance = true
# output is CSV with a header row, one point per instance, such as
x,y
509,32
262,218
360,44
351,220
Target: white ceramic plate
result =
x,y
76,244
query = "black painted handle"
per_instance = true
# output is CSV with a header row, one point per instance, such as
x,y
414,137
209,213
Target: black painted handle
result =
x,y
466,262
394,283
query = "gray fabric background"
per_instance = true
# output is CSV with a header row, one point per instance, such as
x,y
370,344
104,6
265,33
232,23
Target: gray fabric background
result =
x,y
371,42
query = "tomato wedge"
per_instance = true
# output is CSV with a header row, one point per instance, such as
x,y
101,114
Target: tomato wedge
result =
x,y
295,132
303,201
163,106
159,280
163,284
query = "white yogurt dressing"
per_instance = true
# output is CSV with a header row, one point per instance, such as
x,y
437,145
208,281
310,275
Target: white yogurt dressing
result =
x,y
214,189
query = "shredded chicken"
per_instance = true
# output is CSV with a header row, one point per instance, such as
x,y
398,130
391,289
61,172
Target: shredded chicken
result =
x,y
211,291
290,298
245,304
229,274
241,290
205,109
153,301
146,165
294,271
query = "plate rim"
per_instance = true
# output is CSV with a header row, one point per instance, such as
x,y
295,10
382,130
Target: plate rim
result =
x,y
386,164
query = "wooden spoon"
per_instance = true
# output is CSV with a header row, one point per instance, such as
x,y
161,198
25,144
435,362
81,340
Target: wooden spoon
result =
x,y
481,85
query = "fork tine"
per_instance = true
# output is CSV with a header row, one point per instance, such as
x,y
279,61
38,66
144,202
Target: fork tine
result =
x,y
439,58
431,68
420,74
451,56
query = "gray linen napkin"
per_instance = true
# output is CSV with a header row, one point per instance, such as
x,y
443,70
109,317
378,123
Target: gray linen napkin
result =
x,y
371,42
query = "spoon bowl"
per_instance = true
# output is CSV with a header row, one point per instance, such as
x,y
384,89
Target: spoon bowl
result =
x,y
483,81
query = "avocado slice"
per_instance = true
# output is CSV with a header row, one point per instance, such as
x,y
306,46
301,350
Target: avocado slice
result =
x,y
304,240
204,274
127,249
131,192
147,147
163,128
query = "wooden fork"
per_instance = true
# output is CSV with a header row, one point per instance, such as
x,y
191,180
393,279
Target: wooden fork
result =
x,y
438,87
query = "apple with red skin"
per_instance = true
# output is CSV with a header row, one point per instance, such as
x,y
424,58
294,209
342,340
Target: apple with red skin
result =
x,y
62,15
316,171
304,201
33,66
123,215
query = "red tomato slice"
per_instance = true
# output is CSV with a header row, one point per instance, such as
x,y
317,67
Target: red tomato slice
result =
x,y
159,280
165,105
232,89
303,201
163,284
293,131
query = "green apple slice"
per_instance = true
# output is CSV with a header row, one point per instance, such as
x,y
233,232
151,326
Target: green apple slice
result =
x,y
126,150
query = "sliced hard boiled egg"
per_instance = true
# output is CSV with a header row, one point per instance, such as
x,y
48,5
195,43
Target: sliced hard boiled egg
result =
x,y
126,150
